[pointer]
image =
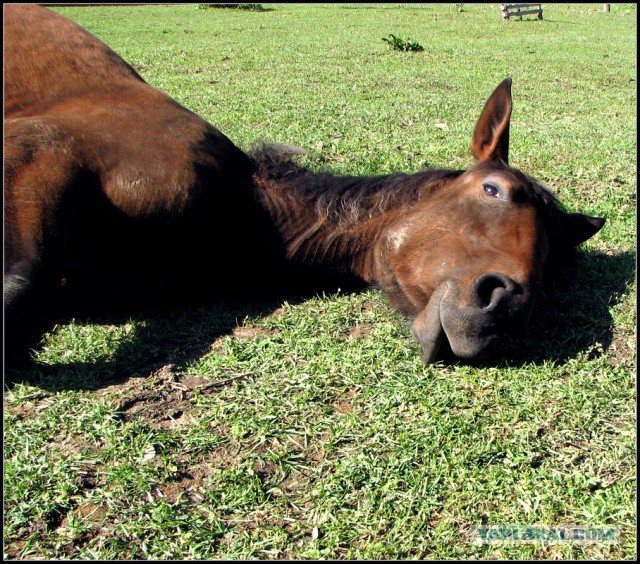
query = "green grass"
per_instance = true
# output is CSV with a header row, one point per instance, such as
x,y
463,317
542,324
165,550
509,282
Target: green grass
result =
x,y
311,430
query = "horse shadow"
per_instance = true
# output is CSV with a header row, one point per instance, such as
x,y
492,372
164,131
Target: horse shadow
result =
x,y
152,338
572,317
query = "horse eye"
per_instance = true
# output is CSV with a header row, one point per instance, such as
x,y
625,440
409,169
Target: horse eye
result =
x,y
491,190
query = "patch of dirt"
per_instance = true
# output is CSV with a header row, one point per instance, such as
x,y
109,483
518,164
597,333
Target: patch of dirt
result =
x,y
187,486
360,331
344,406
163,400
86,478
24,411
244,333
30,406
622,350
250,332
344,402
91,514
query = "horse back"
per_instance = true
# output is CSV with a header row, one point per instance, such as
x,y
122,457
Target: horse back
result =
x,y
70,98
48,58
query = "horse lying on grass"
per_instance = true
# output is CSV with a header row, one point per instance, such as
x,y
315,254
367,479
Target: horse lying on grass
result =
x,y
116,194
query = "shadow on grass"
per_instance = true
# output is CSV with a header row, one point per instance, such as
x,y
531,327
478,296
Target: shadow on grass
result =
x,y
572,317
174,337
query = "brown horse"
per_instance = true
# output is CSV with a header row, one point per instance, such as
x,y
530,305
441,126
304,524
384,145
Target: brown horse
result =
x,y
115,194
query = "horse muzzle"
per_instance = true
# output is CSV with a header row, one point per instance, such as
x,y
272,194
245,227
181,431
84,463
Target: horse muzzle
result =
x,y
475,321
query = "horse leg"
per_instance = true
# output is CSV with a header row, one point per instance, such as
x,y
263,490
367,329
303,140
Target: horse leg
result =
x,y
25,309
37,181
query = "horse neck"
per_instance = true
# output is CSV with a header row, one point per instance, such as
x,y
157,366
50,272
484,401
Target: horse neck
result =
x,y
335,223
316,236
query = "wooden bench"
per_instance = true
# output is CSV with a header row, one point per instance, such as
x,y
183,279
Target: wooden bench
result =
x,y
510,10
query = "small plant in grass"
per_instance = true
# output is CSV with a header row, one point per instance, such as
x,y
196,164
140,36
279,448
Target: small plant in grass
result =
x,y
400,44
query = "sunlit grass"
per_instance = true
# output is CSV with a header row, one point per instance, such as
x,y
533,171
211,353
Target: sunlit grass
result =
x,y
311,429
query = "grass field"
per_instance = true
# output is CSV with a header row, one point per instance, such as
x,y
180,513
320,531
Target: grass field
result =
x,y
310,429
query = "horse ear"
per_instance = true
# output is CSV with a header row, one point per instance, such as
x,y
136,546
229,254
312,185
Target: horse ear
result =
x,y
491,134
580,227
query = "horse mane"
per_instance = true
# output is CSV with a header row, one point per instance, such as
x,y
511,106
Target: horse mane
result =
x,y
341,198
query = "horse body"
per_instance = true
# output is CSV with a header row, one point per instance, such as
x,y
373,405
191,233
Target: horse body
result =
x,y
114,190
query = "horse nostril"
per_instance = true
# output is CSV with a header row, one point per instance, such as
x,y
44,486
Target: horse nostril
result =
x,y
491,289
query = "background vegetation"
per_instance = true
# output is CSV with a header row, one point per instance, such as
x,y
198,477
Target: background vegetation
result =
x,y
310,429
